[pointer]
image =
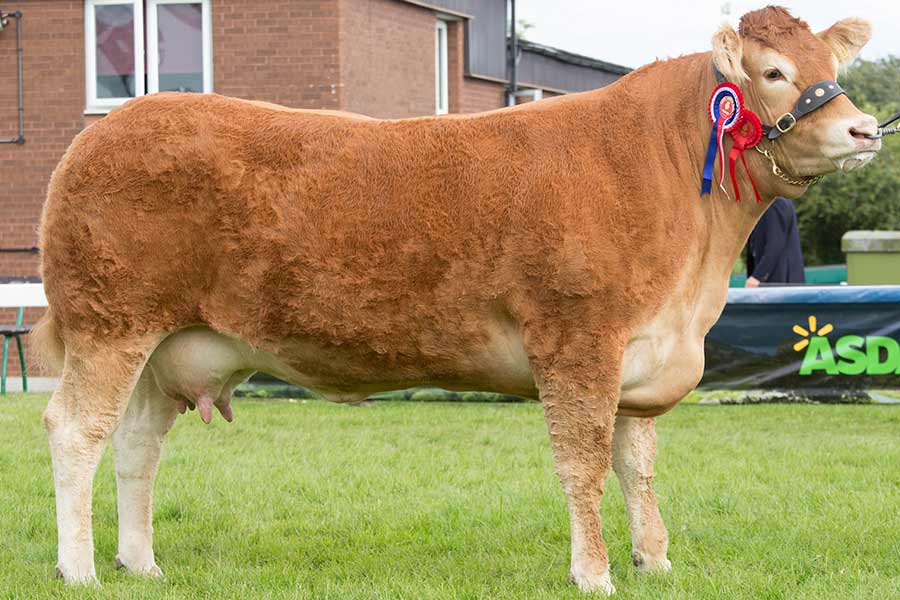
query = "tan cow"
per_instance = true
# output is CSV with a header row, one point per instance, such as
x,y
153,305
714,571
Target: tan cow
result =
x,y
559,249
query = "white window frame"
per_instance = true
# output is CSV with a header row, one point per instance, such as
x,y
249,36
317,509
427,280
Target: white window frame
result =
x,y
441,79
94,104
153,43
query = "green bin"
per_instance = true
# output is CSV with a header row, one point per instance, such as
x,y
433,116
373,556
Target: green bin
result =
x,y
873,257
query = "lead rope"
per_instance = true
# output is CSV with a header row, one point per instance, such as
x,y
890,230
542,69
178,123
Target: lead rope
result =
x,y
884,130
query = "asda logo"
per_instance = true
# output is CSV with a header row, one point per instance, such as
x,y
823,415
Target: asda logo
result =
x,y
849,355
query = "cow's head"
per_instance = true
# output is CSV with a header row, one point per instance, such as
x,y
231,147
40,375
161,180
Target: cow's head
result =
x,y
774,58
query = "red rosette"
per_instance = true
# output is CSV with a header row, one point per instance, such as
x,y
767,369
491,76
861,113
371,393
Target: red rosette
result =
x,y
748,133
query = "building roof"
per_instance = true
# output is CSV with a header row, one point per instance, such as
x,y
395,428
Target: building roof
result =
x,y
556,70
539,66
572,58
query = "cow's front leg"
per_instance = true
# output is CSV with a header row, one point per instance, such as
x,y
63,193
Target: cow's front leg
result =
x,y
138,444
580,418
634,449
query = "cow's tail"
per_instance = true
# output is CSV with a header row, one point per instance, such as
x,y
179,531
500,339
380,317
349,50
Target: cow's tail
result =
x,y
47,344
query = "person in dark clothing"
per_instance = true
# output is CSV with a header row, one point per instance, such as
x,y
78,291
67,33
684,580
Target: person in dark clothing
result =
x,y
773,251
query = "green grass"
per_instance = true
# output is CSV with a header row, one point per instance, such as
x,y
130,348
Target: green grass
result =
x,y
406,500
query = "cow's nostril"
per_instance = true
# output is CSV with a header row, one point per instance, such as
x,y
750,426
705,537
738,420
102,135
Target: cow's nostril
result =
x,y
863,128
867,133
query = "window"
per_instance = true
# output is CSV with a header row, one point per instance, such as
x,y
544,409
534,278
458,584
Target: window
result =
x,y
113,29
177,55
440,69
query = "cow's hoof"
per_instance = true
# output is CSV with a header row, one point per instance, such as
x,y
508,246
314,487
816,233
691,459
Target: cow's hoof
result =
x,y
597,584
147,570
647,564
88,577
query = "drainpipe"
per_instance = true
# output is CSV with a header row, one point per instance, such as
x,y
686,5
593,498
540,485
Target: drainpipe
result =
x,y
20,138
513,55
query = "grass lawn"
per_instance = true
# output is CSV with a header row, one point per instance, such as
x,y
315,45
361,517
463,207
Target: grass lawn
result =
x,y
307,499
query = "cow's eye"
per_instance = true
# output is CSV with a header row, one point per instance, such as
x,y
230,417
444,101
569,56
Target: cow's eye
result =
x,y
773,75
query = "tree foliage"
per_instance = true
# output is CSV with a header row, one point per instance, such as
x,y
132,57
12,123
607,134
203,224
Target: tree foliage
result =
x,y
865,199
874,82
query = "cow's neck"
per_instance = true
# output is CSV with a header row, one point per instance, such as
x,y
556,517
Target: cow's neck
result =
x,y
728,222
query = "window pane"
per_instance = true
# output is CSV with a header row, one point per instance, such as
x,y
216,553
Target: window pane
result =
x,y
115,50
440,65
180,37
440,61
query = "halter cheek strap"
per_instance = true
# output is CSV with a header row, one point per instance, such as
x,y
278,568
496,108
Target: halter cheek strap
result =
x,y
812,98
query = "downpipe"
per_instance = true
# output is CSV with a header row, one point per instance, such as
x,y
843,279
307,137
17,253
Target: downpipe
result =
x,y
4,17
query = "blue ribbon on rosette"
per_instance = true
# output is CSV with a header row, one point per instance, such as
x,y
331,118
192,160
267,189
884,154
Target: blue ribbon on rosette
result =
x,y
725,107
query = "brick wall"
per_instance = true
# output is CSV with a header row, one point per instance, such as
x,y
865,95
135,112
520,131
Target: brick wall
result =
x,y
54,102
387,62
456,67
480,95
282,51
387,58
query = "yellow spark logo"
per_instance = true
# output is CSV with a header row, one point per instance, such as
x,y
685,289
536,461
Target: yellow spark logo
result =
x,y
813,329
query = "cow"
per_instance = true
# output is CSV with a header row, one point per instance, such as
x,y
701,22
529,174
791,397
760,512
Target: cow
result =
x,y
558,250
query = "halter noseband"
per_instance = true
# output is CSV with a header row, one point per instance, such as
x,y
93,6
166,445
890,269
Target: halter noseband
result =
x,y
814,97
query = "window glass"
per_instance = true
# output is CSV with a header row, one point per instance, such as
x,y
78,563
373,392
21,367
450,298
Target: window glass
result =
x,y
180,47
440,68
115,50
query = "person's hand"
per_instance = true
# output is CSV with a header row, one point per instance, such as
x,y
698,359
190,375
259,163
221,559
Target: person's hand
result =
x,y
752,282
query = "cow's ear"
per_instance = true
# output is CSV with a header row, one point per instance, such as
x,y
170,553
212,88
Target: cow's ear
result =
x,y
846,38
728,50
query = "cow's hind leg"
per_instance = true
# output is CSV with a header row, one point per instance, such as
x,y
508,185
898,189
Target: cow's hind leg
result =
x,y
83,412
634,449
580,411
137,444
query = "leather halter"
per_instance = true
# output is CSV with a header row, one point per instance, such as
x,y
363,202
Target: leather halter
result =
x,y
814,97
